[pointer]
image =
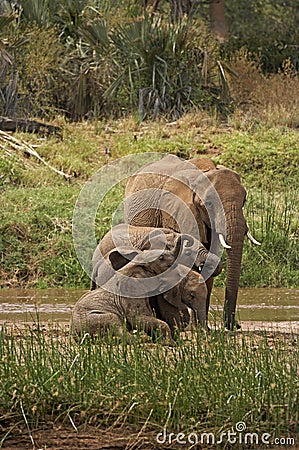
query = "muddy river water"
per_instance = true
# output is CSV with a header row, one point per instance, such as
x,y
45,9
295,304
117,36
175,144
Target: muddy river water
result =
x,y
257,308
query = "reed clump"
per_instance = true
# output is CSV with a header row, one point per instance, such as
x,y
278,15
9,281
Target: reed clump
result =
x,y
273,216
204,383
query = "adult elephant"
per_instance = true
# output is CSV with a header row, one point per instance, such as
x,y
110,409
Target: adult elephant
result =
x,y
198,198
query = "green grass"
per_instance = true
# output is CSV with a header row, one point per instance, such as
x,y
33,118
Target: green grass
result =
x,y
264,156
273,217
206,384
273,220
35,237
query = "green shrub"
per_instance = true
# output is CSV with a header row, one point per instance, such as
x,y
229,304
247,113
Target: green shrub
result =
x,y
268,29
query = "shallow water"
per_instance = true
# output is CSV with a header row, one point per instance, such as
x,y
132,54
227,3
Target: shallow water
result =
x,y
55,305
263,304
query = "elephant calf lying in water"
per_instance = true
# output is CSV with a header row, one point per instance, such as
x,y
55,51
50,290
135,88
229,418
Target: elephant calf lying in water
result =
x,y
125,298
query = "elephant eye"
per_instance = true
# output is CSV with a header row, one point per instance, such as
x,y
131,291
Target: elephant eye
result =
x,y
161,257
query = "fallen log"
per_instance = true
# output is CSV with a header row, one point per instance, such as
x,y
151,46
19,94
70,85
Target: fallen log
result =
x,y
28,126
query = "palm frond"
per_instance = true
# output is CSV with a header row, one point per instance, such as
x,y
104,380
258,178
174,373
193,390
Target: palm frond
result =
x,y
114,86
95,34
225,94
35,11
5,59
6,20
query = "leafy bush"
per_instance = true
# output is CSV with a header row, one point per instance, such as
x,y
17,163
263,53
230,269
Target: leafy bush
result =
x,y
266,28
169,67
41,90
155,66
271,99
76,58
91,66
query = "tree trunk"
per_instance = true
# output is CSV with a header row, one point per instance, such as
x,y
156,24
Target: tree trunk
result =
x,y
151,4
179,8
217,19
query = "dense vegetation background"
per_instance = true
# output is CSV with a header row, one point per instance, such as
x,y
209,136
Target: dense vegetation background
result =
x,y
91,58
117,75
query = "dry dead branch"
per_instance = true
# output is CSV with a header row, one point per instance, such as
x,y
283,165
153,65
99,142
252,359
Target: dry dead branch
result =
x,y
24,147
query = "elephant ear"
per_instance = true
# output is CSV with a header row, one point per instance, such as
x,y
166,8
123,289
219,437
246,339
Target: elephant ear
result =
x,y
121,256
177,206
204,221
174,277
186,250
173,297
149,256
220,167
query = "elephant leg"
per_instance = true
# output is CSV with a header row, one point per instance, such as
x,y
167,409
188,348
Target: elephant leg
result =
x,y
99,324
155,328
177,319
209,284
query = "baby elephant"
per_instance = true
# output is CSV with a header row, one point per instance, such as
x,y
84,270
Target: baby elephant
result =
x,y
190,291
98,311
125,297
171,305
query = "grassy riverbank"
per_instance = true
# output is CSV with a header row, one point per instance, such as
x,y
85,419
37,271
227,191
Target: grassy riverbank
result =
x,y
204,384
37,205
53,389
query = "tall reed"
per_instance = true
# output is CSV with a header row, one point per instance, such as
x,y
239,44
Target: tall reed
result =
x,y
273,218
204,383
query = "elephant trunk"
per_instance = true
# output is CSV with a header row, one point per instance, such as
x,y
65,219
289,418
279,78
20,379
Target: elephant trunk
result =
x,y
236,229
233,270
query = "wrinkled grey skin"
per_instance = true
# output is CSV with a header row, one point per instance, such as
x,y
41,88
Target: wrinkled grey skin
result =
x,y
100,309
134,238
190,292
170,306
186,183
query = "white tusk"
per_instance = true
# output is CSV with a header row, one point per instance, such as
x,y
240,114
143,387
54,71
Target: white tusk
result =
x,y
222,241
251,238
